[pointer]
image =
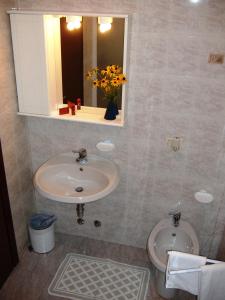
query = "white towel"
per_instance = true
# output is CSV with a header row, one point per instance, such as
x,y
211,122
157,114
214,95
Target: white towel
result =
x,y
182,261
212,282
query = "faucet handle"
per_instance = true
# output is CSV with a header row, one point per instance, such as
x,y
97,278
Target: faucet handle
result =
x,y
174,212
82,159
81,151
176,215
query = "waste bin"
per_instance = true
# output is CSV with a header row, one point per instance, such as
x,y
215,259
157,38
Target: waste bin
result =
x,y
41,231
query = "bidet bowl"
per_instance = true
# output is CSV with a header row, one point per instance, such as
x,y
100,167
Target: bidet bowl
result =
x,y
65,180
165,237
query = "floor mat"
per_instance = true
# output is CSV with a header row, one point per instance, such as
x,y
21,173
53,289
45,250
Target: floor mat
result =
x,y
82,277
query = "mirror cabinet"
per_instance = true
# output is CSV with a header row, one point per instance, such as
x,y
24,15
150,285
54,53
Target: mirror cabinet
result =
x,y
53,52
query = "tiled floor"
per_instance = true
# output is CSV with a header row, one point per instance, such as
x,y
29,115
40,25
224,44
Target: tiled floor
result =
x,y
31,278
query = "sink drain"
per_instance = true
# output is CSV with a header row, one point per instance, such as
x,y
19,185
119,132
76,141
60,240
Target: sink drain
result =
x,y
79,189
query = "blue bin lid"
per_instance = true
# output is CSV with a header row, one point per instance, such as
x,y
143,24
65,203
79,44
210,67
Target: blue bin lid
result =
x,y
41,221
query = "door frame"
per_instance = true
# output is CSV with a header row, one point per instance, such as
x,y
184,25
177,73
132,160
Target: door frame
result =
x,y
5,204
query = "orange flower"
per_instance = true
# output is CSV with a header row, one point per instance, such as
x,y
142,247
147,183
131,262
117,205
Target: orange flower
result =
x,y
123,78
95,83
104,72
116,69
115,82
88,75
104,82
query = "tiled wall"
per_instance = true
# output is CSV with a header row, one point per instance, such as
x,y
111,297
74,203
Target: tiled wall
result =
x,y
173,91
13,134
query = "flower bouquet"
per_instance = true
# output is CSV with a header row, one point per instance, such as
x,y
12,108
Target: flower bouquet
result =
x,y
109,80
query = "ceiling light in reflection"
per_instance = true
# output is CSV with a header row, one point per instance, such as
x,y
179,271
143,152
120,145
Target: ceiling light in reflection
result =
x,y
105,23
105,27
194,1
73,22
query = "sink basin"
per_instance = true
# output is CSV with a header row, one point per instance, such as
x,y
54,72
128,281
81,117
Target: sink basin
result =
x,y
65,180
165,236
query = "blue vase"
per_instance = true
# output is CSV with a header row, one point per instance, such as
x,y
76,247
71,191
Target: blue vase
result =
x,y
111,110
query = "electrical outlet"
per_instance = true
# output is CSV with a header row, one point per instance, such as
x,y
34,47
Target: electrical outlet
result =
x,y
174,143
216,58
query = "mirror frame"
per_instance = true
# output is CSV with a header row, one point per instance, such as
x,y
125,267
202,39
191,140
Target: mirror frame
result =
x,y
125,44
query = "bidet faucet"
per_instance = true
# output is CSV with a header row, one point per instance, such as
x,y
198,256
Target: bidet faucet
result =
x,y
176,217
82,158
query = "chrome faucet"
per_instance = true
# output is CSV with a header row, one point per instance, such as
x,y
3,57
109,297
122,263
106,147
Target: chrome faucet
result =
x,y
82,158
176,217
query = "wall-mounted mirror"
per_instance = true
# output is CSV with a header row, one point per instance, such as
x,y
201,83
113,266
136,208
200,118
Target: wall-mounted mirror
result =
x,y
85,46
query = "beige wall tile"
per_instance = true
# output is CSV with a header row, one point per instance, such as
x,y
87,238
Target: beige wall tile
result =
x,y
172,91
13,134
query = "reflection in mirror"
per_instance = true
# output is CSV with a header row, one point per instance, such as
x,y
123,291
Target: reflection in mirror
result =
x,y
87,43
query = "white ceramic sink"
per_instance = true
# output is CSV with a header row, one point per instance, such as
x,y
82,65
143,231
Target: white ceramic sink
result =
x,y
165,237
61,178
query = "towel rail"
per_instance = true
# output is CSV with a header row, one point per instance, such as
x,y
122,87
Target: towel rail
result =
x,y
211,261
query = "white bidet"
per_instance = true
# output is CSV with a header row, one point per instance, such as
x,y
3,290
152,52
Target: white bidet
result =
x,y
164,237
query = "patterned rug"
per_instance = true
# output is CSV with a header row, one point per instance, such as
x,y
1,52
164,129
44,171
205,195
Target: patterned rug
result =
x,y
82,277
